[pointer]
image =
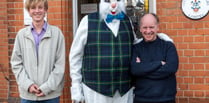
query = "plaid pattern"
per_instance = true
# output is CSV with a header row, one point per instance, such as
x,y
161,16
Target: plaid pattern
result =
x,y
107,58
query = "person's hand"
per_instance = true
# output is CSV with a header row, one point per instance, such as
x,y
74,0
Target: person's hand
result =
x,y
40,94
34,89
138,60
163,63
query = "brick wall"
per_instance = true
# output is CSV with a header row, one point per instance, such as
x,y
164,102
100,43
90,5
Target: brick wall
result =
x,y
191,38
3,52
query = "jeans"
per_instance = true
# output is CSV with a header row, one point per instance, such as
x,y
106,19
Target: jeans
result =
x,y
54,100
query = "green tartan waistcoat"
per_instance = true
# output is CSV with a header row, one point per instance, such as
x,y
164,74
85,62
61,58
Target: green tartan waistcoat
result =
x,y
106,61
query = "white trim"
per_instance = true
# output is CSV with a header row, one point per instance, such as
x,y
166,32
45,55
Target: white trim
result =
x,y
75,16
152,6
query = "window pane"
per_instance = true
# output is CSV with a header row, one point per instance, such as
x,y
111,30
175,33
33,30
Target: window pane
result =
x,y
135,9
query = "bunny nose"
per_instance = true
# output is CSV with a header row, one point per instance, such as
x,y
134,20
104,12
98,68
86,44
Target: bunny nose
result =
x,y
113,5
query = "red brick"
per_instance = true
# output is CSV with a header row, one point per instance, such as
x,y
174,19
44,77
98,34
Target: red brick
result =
x,y
198,100
190,37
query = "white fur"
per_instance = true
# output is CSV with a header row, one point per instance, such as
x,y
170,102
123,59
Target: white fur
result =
x,y
162,36
105,8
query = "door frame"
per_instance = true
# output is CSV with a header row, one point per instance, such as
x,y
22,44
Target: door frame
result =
x,y
75,16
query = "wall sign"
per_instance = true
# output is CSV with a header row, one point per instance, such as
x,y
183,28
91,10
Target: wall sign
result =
x,y
195,9
88,8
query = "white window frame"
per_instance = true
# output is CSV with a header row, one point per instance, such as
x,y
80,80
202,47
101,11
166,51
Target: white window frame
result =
x,y
152,6
75,16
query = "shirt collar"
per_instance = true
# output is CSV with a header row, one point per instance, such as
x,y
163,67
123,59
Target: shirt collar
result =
x,y
43,28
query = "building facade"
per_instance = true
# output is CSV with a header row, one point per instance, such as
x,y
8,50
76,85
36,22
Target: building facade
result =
x,y
191,37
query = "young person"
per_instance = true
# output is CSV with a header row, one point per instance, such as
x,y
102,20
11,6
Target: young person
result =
x,y
38,57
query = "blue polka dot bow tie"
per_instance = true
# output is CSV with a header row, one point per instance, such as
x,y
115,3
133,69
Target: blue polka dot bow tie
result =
x,y
119,16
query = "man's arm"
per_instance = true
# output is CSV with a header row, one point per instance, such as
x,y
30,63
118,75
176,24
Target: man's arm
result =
x,y
17,65
141,68
170,67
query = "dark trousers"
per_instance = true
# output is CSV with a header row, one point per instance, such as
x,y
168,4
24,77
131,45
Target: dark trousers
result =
x,y
172,101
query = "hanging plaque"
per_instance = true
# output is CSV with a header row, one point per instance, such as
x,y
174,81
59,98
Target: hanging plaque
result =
x,y
195,9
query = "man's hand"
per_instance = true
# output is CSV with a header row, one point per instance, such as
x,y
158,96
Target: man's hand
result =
x,y
138,60
163,63
40,94
34,89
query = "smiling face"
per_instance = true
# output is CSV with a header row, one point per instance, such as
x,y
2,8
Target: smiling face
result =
x,y
37,12
149,27
112,7
37,9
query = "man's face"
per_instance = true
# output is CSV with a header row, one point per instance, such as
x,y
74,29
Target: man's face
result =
x,y
149,28
37,12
